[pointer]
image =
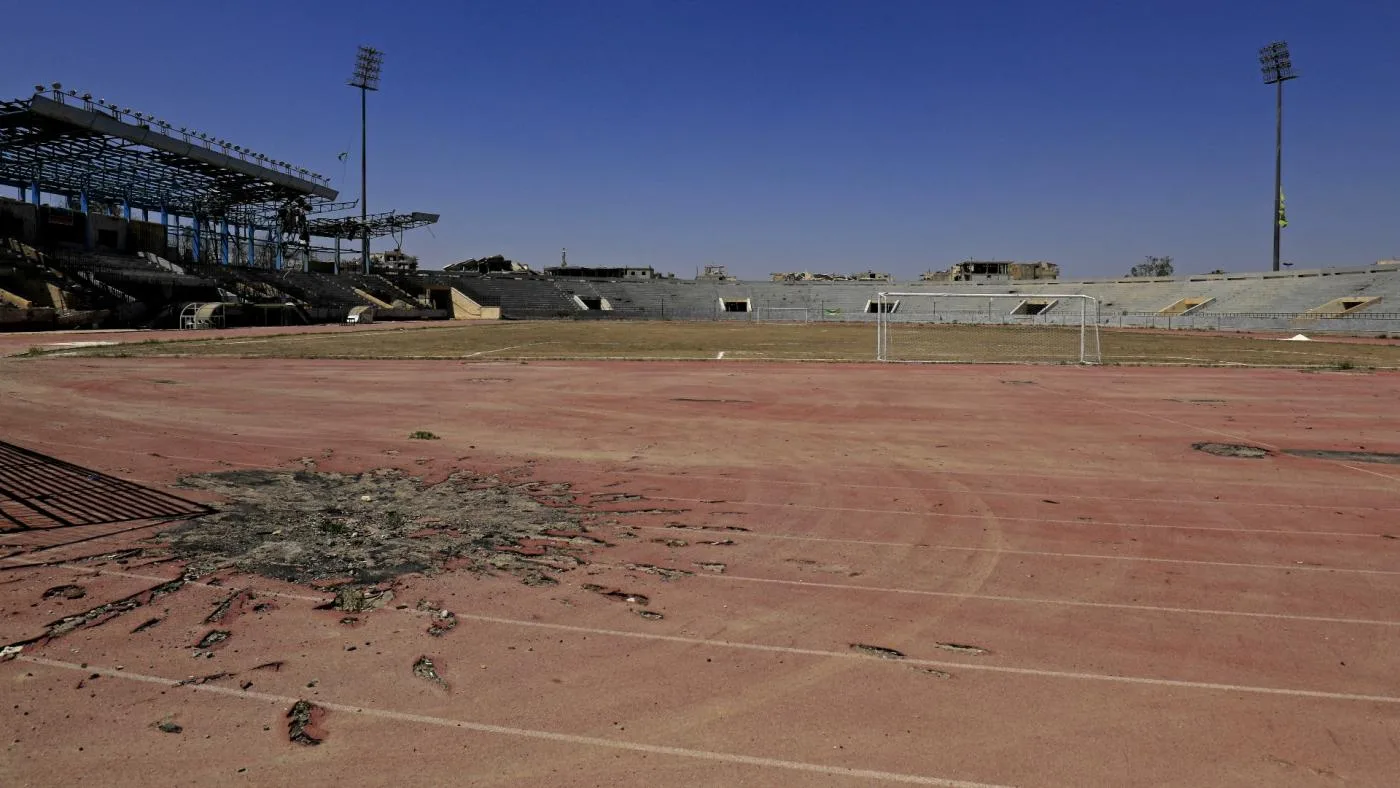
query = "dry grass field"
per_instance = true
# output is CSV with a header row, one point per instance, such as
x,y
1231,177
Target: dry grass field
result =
x,y
785,342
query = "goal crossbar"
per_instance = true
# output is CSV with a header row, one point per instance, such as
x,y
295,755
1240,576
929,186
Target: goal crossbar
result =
x,y
918,327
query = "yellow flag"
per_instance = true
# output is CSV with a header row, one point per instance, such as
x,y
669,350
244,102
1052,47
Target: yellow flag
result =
x,y
1282,214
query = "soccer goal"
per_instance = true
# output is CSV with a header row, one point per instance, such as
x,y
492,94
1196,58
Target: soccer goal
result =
x,y
1037,328
784,314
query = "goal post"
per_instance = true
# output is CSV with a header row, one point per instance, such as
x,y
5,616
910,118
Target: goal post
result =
x,y
1034,328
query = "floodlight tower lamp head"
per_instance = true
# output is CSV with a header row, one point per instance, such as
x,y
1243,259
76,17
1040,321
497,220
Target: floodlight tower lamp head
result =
x,y
1276,63
368,64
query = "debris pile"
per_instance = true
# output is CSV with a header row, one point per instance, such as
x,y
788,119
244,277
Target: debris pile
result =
x,y
307,526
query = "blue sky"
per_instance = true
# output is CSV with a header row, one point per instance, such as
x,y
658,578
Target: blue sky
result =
x,y
768,135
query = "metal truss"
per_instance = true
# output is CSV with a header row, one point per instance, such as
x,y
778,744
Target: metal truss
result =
x,y
71,146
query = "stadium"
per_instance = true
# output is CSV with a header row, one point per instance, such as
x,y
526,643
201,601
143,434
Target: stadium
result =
x,y
273,508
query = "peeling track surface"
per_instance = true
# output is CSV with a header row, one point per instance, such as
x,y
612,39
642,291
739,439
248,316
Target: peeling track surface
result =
x,y
857,576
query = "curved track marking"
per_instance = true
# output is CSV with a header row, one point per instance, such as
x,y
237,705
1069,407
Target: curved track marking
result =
x,y
1013,493
1003,518
1027,600
1049,553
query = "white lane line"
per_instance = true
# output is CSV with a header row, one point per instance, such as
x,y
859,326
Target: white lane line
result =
x,y
1028,600
1044,553
1176,502
1366,470
966,666
819,584
720,356
941,664
529,733
996,517
501,349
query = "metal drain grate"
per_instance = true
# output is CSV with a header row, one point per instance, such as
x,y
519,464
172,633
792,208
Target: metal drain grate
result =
x,y
38,491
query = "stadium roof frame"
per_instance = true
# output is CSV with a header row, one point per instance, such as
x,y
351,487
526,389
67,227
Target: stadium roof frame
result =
x,y
379,224
72,146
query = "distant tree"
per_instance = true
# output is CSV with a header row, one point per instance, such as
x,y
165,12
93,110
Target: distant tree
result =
x,y
1153,266
1216,271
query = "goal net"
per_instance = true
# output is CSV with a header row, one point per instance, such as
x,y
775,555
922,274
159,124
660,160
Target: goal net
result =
x,y
987,328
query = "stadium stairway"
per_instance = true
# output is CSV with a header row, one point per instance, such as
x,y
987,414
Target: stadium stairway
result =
x,y
519,297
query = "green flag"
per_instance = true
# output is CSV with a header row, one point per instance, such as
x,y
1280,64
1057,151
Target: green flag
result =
x,y
1282,214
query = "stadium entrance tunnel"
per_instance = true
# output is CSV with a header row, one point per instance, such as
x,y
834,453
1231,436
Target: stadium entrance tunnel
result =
x,y
736,304
460,305
593,303
1034,306
881,307
1342,306
311,527
1185,306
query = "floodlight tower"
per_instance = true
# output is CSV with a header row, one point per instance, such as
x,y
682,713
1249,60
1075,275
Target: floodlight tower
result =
x,y
1277,65
368,63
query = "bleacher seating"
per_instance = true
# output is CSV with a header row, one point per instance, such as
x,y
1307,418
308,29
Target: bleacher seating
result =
x,y
518,296
382,288
129,286
1234,301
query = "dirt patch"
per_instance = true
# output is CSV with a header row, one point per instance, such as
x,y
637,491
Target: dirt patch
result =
x,y
877,651
963,648
304,723
735,528
199,681
424,668
664,572
145,625
213,638
617,593
1232,450
96,616
66,591
1347,456
168,725
442,620
231,606
358,599
308,526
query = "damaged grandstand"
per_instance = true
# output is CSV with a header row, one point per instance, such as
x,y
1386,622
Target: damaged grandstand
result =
x,y
122,219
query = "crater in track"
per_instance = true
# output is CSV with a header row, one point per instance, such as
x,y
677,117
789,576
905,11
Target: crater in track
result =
x,y
308,526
